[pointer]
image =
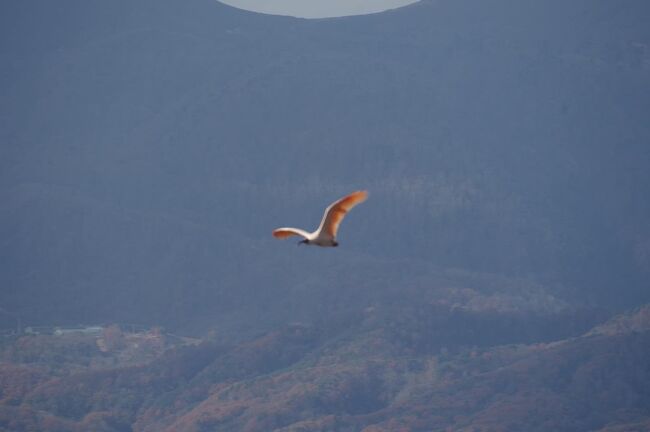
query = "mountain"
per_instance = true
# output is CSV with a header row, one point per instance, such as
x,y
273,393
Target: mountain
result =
x,y
341,375
150,147
496,278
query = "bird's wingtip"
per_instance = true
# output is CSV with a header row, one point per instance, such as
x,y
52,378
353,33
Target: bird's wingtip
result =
x,y
283,233
360,195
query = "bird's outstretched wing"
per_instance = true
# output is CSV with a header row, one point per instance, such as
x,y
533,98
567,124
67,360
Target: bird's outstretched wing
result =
x,y
283,233
335,213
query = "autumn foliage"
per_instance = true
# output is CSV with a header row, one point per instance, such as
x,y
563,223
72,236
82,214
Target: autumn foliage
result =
x,y
394,372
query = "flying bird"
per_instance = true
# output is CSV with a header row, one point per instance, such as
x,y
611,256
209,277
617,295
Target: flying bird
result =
x,y
325,235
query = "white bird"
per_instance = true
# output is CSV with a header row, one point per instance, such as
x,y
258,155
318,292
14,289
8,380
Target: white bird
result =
x,y
325,235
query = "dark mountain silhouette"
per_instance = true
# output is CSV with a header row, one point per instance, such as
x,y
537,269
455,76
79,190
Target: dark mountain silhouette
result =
x,y
149,147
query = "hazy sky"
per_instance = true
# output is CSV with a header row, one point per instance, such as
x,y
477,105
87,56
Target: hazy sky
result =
x,y
317,8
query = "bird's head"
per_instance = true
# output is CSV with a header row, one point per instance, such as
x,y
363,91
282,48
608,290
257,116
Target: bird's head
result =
x,y
305,241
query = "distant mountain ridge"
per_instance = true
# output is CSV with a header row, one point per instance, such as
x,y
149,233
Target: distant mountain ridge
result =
x,y
637,321
336,376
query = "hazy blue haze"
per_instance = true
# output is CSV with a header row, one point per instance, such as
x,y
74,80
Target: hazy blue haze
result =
x,y
149,147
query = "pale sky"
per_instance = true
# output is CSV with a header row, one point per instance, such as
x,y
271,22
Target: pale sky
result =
x,y
317,8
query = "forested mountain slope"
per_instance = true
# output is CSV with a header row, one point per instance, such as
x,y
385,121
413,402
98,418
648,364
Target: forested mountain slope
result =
x,y
377,372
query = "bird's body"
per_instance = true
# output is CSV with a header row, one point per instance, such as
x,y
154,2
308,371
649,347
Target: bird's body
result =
x,y
325,235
